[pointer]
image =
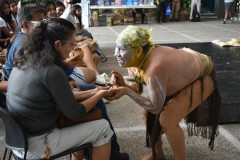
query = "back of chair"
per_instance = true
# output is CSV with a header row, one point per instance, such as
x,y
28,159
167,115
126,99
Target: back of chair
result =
x,y
15,137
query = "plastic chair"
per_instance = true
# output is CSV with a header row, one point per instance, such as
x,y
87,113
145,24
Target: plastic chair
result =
x,y
15,138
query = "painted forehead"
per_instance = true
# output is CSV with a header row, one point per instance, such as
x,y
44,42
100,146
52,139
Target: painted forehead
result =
x,y
122,45
134,36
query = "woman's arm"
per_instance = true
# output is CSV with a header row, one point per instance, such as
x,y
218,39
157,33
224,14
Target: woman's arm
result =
x,y
83,95
6,32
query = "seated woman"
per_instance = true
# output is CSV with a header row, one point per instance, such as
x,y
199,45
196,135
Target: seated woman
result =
x,y
43,90
7,26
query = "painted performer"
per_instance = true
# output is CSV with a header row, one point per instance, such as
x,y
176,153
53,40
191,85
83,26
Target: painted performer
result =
x,y
180,83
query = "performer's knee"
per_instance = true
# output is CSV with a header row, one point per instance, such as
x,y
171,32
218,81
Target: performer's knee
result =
x,y
167,122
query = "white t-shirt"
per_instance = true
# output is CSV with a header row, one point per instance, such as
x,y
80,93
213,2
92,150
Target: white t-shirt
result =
x,y
2,23
68,16
228,1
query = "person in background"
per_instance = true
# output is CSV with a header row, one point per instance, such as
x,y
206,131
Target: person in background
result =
x,y
27,18
76,10
8,26
175,9
51,8
228,10
38,66
161,10
193,3
181,83
141,11
13,9
4,41
60,7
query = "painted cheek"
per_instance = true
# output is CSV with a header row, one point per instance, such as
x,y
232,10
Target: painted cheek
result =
x,y
126,55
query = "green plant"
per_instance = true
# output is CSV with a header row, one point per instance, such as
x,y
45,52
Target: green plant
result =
x,y
185,4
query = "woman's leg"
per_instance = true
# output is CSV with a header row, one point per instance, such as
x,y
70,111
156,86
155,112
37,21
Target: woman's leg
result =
x,y
96,132
102,152
89,75
89,60
177,108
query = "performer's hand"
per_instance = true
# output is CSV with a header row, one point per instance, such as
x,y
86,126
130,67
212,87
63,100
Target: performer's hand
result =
x,y
117,79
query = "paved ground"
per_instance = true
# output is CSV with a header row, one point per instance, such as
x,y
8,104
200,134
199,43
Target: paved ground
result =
x,y
126,114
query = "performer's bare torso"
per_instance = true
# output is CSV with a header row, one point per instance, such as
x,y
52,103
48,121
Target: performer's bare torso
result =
x,y
169,65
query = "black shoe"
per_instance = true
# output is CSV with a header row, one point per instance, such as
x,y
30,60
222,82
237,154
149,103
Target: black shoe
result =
x,y
102,56
119,156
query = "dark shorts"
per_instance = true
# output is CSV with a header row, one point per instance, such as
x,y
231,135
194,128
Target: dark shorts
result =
x,y
228,5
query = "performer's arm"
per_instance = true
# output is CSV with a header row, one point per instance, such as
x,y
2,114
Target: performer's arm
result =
x,y
118,80
156,92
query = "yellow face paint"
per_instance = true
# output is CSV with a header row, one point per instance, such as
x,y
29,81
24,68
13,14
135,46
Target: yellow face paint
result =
x,y
135,37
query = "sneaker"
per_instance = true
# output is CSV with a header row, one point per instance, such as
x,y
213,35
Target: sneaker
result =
x,y
119,156
102,79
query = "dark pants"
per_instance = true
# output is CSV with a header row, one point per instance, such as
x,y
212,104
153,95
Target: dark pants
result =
x,y
141,11
101,105
161,12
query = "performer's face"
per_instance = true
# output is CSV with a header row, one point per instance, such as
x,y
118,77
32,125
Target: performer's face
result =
x,y
125,55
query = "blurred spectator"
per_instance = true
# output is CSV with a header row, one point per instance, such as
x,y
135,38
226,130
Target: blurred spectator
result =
x,y
198,4
228,10
60,7
8,26
51,8
76,11
175,9
161,10
13,9
138,11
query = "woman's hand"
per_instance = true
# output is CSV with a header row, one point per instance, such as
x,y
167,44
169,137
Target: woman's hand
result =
x,y
107,93
117,79
117,92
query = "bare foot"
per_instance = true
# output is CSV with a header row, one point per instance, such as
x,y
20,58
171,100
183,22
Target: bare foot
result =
x,y
149,157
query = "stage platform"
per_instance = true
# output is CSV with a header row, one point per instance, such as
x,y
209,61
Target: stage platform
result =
x,y
227,62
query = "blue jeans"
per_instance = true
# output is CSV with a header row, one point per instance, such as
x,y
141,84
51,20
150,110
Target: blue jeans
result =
x,y
101,105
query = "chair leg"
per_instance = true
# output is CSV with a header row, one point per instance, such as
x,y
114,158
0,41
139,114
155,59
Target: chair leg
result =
x,y
5,154
90,152
10,155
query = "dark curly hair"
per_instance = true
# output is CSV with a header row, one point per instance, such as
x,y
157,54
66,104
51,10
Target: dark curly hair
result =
x,y
8,17
38,45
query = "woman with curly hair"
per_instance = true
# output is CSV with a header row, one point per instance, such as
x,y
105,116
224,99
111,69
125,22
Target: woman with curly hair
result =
x,y
43,90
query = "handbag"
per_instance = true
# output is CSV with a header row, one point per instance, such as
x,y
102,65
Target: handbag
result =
x,y
93,114
168,10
